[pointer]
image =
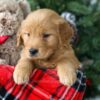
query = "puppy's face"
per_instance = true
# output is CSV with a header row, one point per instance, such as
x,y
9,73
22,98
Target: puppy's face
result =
x,y
42,33
40,41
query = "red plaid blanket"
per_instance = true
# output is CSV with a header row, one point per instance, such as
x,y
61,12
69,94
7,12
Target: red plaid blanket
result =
x,y
43,85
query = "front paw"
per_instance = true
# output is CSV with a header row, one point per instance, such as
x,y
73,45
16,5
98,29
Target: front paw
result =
x,y
21,75
67,78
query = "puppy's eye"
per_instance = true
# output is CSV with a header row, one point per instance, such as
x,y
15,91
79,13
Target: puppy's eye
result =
x,y
45,35
28,34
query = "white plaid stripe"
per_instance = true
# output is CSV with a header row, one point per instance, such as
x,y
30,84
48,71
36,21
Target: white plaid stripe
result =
x,y
8,93
37,90
63,96
20,93
1,97
84,84
80,83
33,73
41,92
84,90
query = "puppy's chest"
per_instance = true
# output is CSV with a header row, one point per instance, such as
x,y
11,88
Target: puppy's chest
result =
x,y
44,64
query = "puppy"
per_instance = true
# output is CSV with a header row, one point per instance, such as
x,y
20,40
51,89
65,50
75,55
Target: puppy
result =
x,y
45,38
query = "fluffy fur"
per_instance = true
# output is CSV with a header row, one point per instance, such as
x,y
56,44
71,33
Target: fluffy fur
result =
x,y
50,34
11,16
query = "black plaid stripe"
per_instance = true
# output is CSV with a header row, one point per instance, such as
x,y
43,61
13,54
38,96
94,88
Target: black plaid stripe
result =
x,y
15,87
51,75
12,86
29,90
20,88
3,93
9,82
55,94
79,86
6,94
81,80
60,86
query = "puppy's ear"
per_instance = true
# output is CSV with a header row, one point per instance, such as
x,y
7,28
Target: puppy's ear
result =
x,y
65,31
19,38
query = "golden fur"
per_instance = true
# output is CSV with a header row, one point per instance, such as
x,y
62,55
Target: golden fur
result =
x,y
46,31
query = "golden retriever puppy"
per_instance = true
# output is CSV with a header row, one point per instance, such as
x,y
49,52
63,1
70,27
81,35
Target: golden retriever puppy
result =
x,y
45,37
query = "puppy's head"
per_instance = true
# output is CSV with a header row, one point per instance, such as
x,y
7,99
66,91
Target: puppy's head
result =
x,y
43,33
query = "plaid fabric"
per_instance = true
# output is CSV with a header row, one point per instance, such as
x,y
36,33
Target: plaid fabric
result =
x,y
43,85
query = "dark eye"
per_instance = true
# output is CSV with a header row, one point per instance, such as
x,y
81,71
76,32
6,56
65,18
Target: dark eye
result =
x,y
45,35
28,34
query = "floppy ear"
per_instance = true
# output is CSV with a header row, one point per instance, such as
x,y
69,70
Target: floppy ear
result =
x,y
19,38
65,31
25,7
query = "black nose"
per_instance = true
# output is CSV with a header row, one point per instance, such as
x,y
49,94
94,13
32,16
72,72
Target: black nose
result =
x,y
33,51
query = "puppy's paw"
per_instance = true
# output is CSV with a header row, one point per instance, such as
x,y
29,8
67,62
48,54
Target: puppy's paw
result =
x,y
21,75
67,78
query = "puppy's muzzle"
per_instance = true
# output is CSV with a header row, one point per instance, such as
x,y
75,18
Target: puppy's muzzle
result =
x,y
33,51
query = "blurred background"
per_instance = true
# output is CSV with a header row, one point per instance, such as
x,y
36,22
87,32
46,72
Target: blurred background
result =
x,y
85,17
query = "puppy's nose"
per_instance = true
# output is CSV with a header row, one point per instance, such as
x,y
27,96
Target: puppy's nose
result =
x,y
33,51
